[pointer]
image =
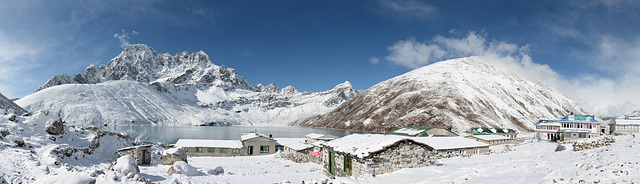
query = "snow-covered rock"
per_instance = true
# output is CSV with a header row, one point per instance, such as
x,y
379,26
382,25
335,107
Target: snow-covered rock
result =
x,y
54,127
181,167
216,171
8,105
125,165
143,87
463,93
173,155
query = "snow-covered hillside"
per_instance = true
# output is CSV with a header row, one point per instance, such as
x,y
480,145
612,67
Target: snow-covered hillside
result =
x,y
462,93
143,87
30,154
7,104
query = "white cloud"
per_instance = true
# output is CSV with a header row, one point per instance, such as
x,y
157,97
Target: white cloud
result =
x,y
413,54
124,37
409,8
614,93
614,89
374,60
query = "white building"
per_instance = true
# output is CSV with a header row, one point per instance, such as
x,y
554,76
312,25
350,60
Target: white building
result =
x,y
569,128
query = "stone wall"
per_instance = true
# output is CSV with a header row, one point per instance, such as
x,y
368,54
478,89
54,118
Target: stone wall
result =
x,y
298,157
604,141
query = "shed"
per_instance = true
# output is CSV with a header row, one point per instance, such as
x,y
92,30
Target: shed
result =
x,y
142,153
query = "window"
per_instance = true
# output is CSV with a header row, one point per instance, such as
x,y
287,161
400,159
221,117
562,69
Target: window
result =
x,y
223,150
264,149
463,151
235,151
199,150
476,151
211,150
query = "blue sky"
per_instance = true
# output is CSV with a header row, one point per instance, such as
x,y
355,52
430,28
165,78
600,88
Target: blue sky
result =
x,y
588,50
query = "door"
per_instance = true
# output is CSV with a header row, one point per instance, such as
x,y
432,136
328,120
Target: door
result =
x,y
347,165
144,157
250,150
332,162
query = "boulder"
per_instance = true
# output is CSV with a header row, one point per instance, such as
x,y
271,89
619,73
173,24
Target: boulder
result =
x,y
560,147
171,156
218,170
181,167
19,142
125,165
54,127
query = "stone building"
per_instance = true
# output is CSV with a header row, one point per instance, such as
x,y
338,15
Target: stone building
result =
x,y
316,140
491,139
419,131
625,125
507,132
360,154
142,154
290,145
569,128
454,145
249,144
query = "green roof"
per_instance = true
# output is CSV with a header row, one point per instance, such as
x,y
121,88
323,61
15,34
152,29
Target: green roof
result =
x,y
412,130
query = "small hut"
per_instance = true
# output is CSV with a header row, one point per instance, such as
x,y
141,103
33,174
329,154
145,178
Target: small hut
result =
x,y
142,153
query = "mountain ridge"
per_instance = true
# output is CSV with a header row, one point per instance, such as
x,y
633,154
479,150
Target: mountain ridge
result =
x,y
186,87
462,93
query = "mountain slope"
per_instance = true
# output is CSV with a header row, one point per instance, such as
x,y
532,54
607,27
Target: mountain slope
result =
x,y
7,104
143,87
462,93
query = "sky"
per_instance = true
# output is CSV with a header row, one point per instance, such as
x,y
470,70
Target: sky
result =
x,y
588,50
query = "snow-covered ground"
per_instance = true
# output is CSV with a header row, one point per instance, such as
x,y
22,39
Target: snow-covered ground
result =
x,y
245,169
83,155
535,162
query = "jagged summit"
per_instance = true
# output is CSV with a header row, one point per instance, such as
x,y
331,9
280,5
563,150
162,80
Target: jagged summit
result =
x,y
8,105
143,87
462,93
141,63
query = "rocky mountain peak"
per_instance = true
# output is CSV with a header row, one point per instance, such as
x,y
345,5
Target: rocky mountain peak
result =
x,y
141,63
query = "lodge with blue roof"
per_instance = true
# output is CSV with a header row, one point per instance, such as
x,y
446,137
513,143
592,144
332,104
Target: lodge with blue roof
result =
x,y
568,128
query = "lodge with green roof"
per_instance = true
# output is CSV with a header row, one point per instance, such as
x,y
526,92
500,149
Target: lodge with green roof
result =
x,y
420,131
507,132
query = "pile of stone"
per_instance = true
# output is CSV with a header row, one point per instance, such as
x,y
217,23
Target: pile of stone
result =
x,y
301,158
604,141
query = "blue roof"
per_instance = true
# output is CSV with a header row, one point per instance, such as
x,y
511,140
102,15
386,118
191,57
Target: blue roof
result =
x,y
580,118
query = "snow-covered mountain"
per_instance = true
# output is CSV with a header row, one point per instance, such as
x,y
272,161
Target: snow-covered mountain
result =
x,y
143,87
6,104
462,93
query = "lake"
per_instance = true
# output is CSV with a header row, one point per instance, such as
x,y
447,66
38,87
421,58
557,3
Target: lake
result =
x,y
171,134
